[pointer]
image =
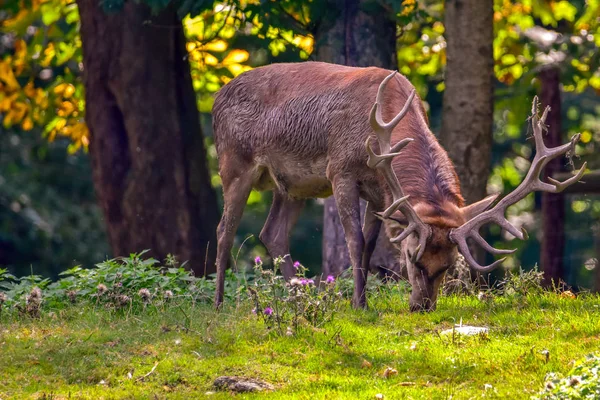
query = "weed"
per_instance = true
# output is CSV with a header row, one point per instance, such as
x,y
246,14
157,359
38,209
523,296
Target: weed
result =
x,y
287,306
582,382
521,283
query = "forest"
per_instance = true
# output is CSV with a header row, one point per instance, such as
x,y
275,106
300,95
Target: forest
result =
x,y
107,142
87,172
110,199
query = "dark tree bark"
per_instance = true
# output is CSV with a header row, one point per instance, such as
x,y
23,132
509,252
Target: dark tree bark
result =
x,y
597,258
468,98
553,204
147,151
355,33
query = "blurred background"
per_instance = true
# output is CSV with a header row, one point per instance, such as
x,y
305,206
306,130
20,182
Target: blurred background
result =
x,y
106,143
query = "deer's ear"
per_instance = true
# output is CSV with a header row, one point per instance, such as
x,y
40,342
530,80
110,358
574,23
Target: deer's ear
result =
x,y
477,208
396,218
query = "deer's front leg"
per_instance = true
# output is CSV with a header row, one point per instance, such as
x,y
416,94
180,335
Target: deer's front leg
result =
x,y
371,229
345,192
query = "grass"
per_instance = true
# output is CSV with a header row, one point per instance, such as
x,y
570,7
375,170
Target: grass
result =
x,y
176,351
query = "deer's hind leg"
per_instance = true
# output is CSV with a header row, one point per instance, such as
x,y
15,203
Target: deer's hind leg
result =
x,y
346,194
237,184
275,235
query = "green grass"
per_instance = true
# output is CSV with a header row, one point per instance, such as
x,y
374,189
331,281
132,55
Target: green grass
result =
x,y
88,352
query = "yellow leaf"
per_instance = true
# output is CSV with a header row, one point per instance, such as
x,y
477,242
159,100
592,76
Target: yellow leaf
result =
x,y
209,59
564,10
190,46
49,54
306,44
237,69
5,104
508,59
7,121
27,124
7,76
586,136
69,91
60,88
60,124
216,45
236,57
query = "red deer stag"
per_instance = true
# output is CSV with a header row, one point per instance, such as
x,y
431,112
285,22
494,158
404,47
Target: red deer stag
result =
x,y
300,130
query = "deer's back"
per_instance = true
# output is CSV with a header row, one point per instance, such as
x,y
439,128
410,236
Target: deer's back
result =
x,y
296,121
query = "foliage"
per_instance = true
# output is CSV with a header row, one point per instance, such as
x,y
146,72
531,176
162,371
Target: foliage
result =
x,y
288,306
582,382
120,282
48,214
522,283
41,66
134,281
41,92
40,71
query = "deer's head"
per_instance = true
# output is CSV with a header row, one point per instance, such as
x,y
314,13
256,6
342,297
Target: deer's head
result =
x,y
429,238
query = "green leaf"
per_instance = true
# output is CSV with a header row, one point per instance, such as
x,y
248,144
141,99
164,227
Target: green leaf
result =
x,y
50,13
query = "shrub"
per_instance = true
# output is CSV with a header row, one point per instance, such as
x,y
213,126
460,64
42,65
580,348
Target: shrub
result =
x,y
118,283
521,283
582,382
286,307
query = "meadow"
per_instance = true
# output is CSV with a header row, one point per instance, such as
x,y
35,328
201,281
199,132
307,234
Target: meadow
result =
x,y
173,344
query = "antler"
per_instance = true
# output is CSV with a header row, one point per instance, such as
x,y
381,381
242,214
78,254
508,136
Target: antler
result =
x,y
383,162
532,182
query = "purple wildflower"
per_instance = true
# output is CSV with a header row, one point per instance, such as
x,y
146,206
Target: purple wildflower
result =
x,y
311,282
254,310
297,264
257,260
330,279
268,311
304,281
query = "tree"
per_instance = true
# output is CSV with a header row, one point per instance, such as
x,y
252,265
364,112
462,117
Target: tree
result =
x,y
553,45
553,204
146,147
468,97
355,33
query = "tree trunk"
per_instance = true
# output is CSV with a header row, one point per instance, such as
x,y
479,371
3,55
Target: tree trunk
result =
x,y
553,204
597,258
467,113
468,102
146,148
354,33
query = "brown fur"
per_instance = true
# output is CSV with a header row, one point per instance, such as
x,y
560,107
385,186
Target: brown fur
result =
x,y
300,130
297,124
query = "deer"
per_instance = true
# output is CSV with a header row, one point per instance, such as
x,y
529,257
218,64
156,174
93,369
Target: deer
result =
x,y
311,129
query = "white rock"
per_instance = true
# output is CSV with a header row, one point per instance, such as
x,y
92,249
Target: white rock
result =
x,y
466,330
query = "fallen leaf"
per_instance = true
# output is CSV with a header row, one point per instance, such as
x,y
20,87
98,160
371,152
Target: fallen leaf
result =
x,y
389,372
366,364
568,295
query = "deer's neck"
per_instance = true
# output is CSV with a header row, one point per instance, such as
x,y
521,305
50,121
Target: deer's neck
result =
x,y
426,173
